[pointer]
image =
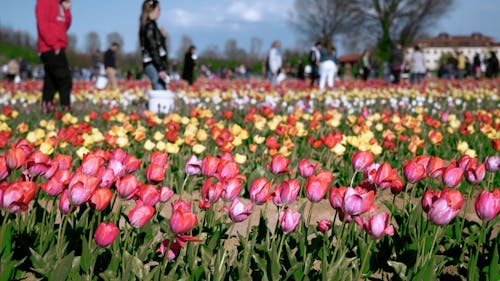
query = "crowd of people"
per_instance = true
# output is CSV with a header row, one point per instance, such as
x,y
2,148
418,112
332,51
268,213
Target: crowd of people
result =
x,y
320,65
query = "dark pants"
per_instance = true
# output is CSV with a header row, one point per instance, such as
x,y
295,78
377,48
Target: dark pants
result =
x,y
57,78
366,73
396,73
314,74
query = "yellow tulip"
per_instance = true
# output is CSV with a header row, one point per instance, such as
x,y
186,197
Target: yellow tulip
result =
x,y
46,148
198,148
338,149
240,158
172,148
160,146
157,136
149,145
462,147
201,135
81,152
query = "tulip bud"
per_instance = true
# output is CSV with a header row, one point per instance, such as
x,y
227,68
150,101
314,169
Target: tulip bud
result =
x,y
105,234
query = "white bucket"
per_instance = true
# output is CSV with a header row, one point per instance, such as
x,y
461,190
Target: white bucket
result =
x,y
161,101
101,82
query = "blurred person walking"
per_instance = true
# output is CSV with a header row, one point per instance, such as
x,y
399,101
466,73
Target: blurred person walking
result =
x,y
314,57
12,70
327,67
417,66
366,64
274,61
189,65
53,21
153,45
492,66
476,63
396,62
110,64
461,65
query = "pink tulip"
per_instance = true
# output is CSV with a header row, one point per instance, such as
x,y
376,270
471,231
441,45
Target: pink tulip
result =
x,y
174,249
488,204
117,167
158,158
211,192
91,164
231,189
105,234
81,187
15,157
4,171
148,194
324,225
165,194
306,169
475,174
131,164
442,206
466,161
413,171
193,166
361,160
358,201
182,220
337,197
106,177
452,175
279,164
140,214
64,204
55,185
238,212
155,173
435,167
376,225
101,198
37,163
127,186
259,191
63,161
227,170
118,155
492,163
289,220
386,176
286,193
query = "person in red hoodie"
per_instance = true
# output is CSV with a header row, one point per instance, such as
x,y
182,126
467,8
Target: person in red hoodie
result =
x,y
53,20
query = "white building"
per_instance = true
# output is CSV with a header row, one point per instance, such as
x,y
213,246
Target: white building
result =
x,y
444,44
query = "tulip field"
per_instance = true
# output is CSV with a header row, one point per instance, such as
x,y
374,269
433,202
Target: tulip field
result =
x,y
244,181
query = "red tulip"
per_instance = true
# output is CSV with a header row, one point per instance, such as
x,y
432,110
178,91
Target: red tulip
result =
x,y
452,175
209,165
55,185
324,225
238,212
165,194
492,163
337,197
435,167
105,234
361,160
317,185
385,176
279,164
289,220
212,192
131,164
127,186
37,163
193,166
413,171
106,177
231,189
101,198
259,191
181,220
15,157
148,194
466,161
17,195
306,169
91,164
376,225
442,206
4,171
181,204
286,192
227,170
155,173
475,174
174,249
158,158
81,187
358,201
63,161
64,203
140,214
488,204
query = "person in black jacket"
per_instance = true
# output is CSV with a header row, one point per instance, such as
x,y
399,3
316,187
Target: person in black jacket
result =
x,y
189,65
153,45
110,64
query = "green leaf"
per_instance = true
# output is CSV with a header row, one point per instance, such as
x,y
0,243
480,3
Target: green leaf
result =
x,y
62,268
399,267
86,255
494,268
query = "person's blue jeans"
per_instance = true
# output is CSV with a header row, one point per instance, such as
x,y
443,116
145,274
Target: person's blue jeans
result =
x,y
152,74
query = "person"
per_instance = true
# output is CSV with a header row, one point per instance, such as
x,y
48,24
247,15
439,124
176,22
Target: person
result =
x,y
417,66
12,70
461,64
96,64
476,64
300,70
110,64
314,57
492,66
153,45
396,62
189,64
24,70
365,64
327,66
53,21
274,62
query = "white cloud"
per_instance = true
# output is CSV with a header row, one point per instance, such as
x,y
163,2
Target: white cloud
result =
x,y
245,12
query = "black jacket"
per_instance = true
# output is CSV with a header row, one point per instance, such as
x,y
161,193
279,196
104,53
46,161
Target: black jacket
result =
x,y
110,58
153,46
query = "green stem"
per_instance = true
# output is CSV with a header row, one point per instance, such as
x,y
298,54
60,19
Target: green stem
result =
x,y
459,238
60,234
365,258
281,246
431,251
4,229
353,177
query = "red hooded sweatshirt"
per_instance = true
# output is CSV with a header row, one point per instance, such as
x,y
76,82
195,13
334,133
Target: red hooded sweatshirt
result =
x,y
52,23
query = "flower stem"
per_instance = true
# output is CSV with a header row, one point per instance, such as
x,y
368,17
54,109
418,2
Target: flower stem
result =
x,y
353,177
365,258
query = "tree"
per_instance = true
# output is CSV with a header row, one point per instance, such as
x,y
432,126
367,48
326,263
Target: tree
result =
x,y
210,52
186,42
115,37
325,19
72,42
232,52
400,21
255,47
92,42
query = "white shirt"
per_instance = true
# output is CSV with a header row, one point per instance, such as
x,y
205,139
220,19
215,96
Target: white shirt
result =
x,y
418,63
275,60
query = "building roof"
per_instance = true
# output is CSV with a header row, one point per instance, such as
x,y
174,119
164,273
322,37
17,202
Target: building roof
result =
x,y
476,39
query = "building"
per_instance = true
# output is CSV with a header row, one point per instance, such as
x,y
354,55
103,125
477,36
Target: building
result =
x,y
444,44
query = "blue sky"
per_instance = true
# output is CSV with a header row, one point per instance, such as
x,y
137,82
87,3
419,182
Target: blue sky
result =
x,y
214,22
